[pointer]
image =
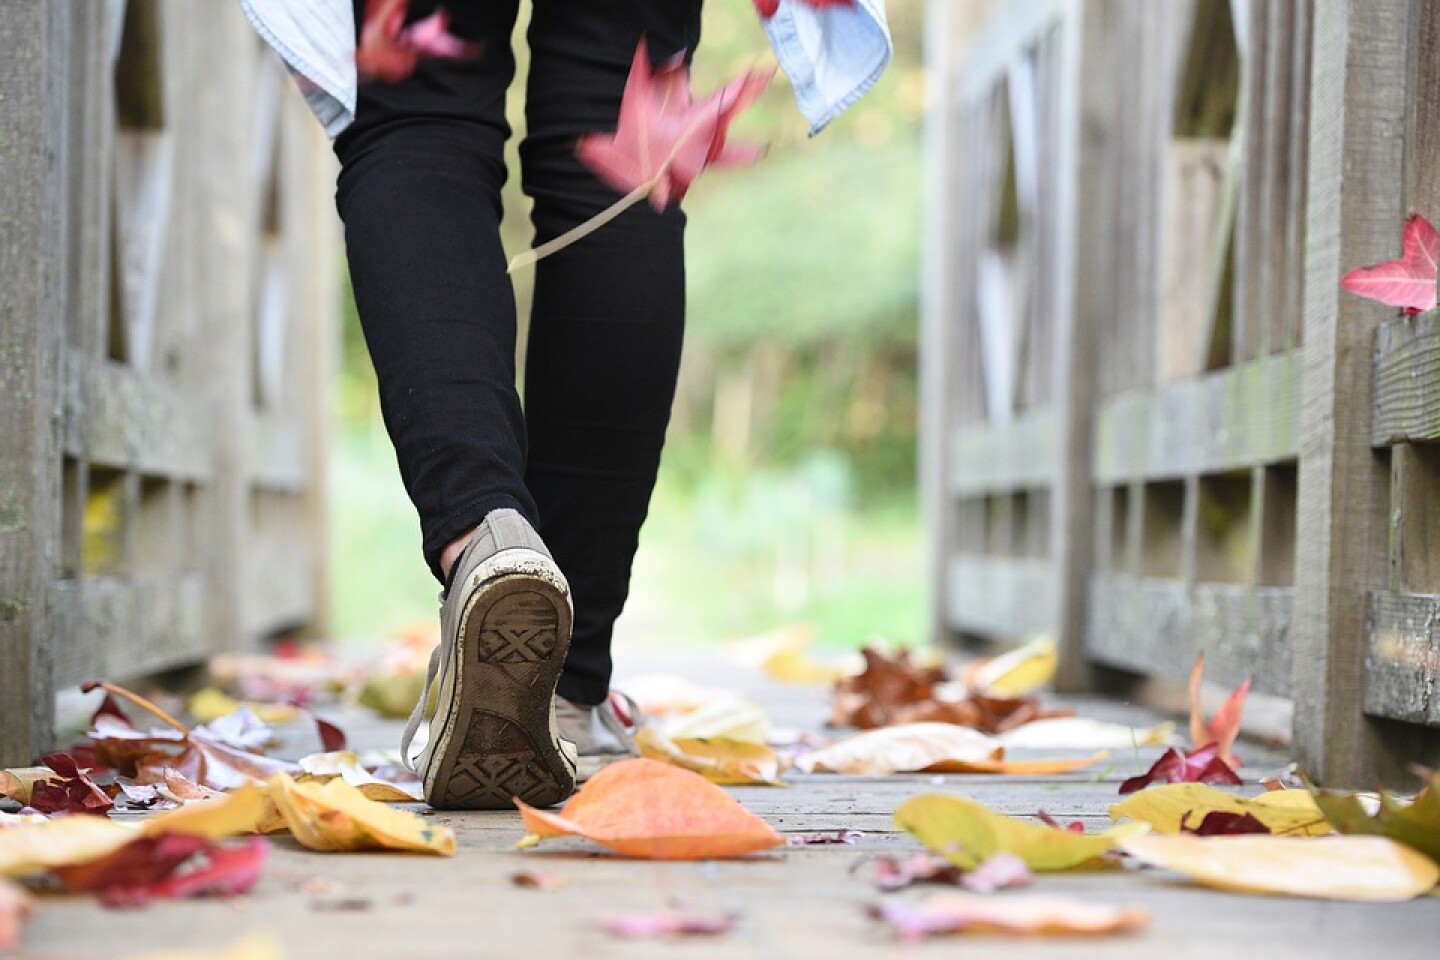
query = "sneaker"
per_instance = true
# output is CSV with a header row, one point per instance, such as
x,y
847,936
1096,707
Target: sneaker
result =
x,y
504,630
601,734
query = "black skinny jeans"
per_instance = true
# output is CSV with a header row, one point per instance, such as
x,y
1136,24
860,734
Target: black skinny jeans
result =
x,y
419,192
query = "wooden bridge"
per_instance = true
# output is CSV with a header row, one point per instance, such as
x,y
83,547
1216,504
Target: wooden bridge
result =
x,y
1154,423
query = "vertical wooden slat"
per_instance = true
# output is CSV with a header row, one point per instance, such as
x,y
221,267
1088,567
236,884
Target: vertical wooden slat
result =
x,y
36,37
1358,100
1248,320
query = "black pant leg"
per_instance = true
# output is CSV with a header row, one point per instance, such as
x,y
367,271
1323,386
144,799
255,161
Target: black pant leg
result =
x,y
419,192
608,316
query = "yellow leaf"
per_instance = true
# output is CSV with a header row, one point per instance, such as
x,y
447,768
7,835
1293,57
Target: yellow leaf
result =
x,y
1331,868
1288,812
335,816
725,718
236,812
903,748
967,833
17,782
726,762
641,808
212,703
1017,672
393,694
345,764
31,848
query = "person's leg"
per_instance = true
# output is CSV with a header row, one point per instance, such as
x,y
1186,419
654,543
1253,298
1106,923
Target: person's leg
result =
x,y
419,191
608,316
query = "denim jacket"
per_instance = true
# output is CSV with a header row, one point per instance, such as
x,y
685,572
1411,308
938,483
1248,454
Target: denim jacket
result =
x,y
831,55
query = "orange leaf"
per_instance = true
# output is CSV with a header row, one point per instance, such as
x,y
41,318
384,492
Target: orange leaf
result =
x,y
1224,727
1018,767
650,810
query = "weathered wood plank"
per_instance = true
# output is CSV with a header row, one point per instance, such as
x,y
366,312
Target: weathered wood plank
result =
x,y
116,416
127,626
1407,380
1402,661
35,36
1358,102
1157,627
1237,418
1009,34
1000,457
1000,597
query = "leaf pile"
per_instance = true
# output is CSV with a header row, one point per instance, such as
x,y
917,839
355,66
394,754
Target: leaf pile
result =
x,y
894,690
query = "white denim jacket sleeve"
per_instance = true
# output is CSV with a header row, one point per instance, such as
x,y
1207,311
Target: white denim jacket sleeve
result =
x,y
831,55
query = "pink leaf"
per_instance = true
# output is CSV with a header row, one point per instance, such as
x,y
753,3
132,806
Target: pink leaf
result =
x,y
1408,281
646,925
1201,765
389,50
663,139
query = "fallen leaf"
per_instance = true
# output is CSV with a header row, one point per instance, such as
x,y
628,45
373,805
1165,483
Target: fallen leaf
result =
x,y
537,880
724,718
825,838
240,730
212,703
1021,767
1201,765
1016,672
663,140
1082,733
726,762
1415,824
320,767
389,49
225,815
1218,823
642,808
1164,808
16,907
1002,871
31,847
905,748
1331,868
168,866
967,833
1224,727
647,925
1408,282
1023,915
69,791
16,783
334,816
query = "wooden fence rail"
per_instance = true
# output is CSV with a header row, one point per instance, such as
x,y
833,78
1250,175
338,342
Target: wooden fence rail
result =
x,y
167,282
1151,426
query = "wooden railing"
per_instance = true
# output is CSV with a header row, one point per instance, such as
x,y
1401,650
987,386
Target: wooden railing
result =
x,y
168,294
1176,446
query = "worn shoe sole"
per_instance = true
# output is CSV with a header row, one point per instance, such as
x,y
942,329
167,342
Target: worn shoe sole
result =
x,y
497,741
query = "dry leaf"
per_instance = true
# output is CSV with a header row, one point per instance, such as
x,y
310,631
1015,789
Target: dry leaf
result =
x,y
1082,733
1286,812
1201,765
35,847
1224,727
1020,768
1022,915
1016,672
1003,871
726,762
16,906
642,808
724,718
335,816
212,703
166,866
18,782
345,764
967,833
1331,868
1415,824
905,748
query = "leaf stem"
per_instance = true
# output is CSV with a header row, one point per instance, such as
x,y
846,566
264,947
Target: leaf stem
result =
x,y
136,699
583,230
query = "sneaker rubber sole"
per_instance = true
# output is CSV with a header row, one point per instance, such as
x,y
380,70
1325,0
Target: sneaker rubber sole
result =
x,y
498,742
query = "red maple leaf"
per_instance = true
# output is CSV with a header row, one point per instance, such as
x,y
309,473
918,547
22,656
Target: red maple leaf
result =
x,y
767,8
1224,727
169,865
389,49
1408,282
69,792
663,139
1201,765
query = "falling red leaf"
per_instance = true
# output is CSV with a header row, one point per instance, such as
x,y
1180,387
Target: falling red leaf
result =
x,y
767,8
1223,823
71,792
1201,765
168,866
1408,281
1224,727
389,50
663,139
